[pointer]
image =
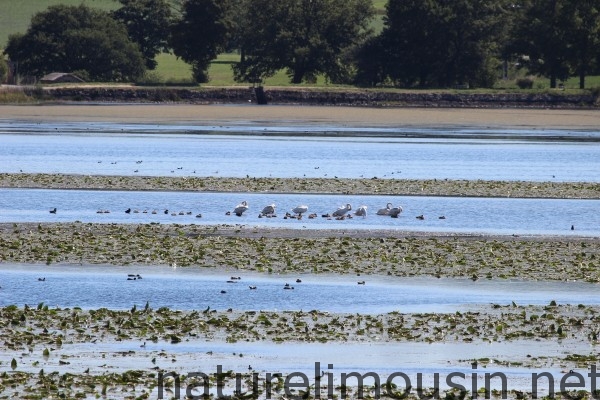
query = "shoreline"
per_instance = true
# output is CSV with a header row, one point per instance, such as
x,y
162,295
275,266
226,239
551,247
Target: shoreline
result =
x,y
517,118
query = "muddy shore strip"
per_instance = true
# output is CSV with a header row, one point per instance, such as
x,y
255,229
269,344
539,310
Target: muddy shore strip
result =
x,y
373,186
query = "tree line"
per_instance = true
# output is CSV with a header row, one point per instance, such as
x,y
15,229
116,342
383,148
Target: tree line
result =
x,y
423,43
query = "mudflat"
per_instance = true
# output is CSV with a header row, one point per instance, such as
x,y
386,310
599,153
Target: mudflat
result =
x,y
306,115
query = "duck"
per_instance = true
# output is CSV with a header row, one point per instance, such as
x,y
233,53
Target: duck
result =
x,y
386,210
53,211
421,217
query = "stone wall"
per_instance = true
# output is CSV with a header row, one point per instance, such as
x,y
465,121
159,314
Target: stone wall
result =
x,y
324,97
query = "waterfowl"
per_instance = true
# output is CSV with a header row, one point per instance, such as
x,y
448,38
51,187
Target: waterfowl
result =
x,y
312,216
42,279
386,210
343,210
199,216
421,217
394,212
166,212
298,280
361,211
223,292
240,208
268,210
361,282
53,211
301,209
252,287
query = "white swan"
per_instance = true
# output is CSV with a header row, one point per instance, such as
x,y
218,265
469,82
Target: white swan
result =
x,y
394,212
240,208
268,210
300,209
361,211
340,212
386,210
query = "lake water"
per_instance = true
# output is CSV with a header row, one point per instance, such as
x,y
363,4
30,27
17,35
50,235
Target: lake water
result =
x,y
196,288
150,150
462,214
115,149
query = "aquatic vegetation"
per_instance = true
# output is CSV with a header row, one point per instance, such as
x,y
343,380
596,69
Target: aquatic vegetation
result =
x,y
273,251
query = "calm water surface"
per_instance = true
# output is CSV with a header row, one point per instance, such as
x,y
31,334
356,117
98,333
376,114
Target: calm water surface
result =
x,y
195,288
115,149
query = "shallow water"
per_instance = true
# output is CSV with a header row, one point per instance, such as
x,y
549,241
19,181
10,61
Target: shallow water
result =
x,y
196,288
115,149
312,359
462,214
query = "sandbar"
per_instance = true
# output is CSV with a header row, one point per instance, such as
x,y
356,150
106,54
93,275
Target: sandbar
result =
x,y
274,115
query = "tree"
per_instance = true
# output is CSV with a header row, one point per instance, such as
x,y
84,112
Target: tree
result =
x,y
148,23
442,42
583,18
201,33
76,38
3,69
306,37
540,36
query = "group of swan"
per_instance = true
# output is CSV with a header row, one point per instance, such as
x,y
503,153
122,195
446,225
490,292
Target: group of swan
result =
x,y
390,210
269,210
